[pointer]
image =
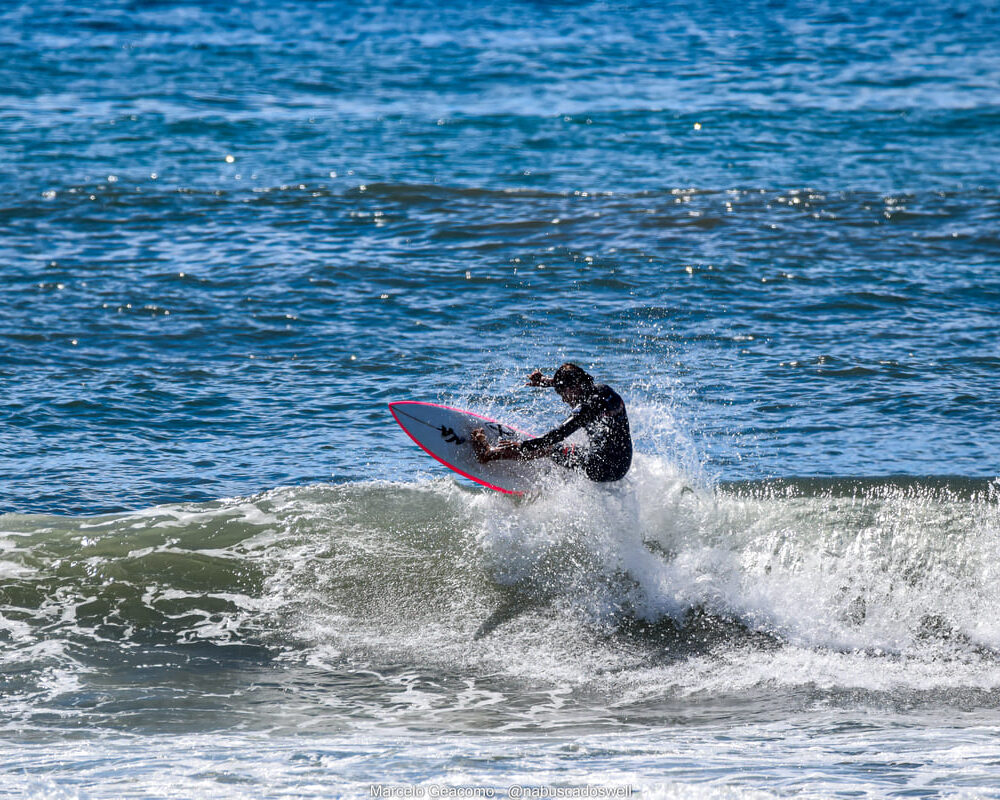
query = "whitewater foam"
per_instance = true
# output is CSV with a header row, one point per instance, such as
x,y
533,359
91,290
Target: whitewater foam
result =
x,y
654,587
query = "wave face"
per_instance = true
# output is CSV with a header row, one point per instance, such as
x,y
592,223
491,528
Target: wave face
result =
x,y
654,594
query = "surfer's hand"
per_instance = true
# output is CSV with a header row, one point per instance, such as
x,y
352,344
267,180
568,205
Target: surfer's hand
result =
x,y
480,446
537,379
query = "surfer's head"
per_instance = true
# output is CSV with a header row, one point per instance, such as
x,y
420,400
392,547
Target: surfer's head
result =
x,y
572,383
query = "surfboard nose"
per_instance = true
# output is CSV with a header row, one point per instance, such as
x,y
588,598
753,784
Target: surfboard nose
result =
x,y
443,433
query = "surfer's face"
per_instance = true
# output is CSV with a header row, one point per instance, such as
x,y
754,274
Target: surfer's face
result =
x,y
570,394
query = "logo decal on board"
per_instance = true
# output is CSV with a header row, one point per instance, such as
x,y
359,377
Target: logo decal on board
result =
x,y
449,435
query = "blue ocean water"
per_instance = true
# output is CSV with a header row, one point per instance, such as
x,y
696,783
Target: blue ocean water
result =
x,y
231,233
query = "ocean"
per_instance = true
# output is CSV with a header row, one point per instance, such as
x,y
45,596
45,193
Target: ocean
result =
x,y
232,233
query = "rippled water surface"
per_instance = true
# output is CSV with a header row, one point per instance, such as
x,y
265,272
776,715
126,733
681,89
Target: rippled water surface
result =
x,y
230,234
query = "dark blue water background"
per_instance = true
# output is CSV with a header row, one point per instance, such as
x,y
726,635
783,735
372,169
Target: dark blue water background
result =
x,y
231,232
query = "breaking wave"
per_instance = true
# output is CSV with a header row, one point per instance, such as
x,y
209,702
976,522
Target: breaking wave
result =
x,y
655,587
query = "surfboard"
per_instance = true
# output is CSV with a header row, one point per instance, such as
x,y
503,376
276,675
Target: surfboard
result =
x,y
443,433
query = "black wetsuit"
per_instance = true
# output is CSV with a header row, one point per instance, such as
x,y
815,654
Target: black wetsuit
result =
x,y
609,455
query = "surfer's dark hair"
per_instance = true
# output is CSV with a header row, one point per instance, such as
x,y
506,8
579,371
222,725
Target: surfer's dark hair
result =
x,y
570,376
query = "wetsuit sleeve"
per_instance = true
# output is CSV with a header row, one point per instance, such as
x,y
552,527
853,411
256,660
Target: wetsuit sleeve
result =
x,y
556,435
577,420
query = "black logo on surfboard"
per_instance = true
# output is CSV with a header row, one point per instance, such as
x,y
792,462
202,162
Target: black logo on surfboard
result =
x,y
449,435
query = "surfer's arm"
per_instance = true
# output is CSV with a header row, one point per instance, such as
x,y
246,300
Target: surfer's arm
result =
x,y
544,445
537,379
530,448
504,451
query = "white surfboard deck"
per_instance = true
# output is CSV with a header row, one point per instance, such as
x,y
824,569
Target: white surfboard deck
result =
x,y
443,433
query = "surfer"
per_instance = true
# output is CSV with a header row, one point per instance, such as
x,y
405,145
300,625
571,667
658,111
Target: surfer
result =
x,y
598,409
